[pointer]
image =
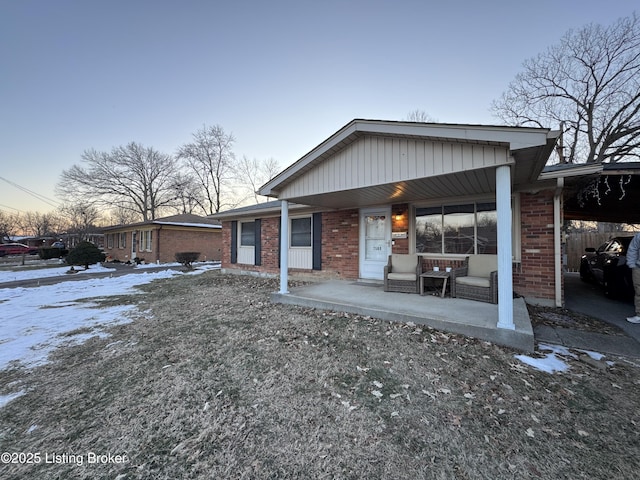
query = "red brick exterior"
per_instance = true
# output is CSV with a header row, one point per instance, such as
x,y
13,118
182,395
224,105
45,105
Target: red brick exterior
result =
x,y
400,223
341,243
166,241
536,276
340,239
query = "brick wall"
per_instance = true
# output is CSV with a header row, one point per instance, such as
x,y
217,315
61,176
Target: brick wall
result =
x,y
175,239
167,241
536,276
340,238
400,223
533,278
340,243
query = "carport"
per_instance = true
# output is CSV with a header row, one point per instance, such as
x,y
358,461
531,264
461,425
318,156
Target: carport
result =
x,y
599,193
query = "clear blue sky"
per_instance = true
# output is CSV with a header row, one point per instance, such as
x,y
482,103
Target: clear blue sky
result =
x,y
280,75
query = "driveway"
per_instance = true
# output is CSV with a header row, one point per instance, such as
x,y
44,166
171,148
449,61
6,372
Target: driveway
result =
x,y
589,299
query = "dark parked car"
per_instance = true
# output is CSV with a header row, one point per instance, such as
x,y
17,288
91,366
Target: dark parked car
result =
x,y
17,249
607,266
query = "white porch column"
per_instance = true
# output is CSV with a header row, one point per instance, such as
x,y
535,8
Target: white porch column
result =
x,y
505,272
284,247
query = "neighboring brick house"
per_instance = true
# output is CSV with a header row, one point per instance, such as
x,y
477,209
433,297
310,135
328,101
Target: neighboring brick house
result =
x,y
160,239
440,190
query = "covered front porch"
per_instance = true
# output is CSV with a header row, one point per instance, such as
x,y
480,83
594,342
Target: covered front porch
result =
x,y
455,315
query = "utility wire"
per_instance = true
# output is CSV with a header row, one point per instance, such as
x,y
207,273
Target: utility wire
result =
x,y
40,197
7,206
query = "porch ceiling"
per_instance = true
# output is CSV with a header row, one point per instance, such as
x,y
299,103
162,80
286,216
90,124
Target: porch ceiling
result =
x,y
472,182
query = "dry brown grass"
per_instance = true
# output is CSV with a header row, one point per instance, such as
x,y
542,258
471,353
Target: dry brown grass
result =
x,y
211,380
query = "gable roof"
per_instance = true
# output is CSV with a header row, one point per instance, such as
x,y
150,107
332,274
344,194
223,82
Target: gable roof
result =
x,y
482,146
183,220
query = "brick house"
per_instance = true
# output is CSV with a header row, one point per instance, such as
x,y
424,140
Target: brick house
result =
x,y
160,239
440,190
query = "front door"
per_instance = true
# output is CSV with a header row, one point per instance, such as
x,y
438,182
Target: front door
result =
x,y
375,242
134,245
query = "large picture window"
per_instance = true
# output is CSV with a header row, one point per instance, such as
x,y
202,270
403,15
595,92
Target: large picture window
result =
x,y
247,234
457,229
301,232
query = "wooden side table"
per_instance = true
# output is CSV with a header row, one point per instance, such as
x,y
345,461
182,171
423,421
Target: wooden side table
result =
x,y
442,275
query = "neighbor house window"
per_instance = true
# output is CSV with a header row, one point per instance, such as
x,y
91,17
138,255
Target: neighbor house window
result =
x,y
247,234
110,240
146,240
457,229
122,240
301,232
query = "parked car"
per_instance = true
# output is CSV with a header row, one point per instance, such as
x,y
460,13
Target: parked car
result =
x,y
17,249
57,245
607,266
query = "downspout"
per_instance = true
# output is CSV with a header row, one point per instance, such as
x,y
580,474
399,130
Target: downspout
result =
x,y
158,244
557,244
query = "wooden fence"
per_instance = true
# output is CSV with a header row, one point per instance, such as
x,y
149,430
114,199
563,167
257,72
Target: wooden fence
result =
x,y
577,242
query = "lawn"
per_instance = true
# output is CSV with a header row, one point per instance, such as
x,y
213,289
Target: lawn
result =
x,y
211,380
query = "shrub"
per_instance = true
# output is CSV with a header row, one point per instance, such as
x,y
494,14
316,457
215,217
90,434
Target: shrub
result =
x,y
86,253
187,258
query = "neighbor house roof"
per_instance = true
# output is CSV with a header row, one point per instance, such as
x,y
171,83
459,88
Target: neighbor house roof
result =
x,y
182,220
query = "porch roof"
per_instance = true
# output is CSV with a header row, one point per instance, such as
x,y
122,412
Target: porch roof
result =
x,y
369,162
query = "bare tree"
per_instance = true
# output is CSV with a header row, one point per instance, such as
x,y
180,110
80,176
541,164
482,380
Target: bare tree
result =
x,y
210,157
418,115
129,177
187,193
39,224
590,84
122,216
9,225
81,219
252,174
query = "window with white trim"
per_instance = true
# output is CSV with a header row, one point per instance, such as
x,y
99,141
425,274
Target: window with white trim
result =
x,y
300,234
146,240
247,234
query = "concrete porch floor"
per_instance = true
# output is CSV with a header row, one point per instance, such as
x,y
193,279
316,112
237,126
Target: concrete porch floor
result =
x,y
455,315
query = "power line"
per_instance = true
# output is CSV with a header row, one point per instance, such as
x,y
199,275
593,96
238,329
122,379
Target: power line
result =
x,y
7,206
40,197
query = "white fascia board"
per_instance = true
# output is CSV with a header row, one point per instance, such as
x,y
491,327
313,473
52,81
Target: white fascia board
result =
x,y
268,188
199,225
575,171
515,137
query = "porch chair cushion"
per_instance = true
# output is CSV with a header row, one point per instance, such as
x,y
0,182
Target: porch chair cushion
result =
x,y
477,279
402,273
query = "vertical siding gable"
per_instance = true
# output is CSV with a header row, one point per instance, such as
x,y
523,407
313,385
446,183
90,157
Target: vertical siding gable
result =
x,y
373,160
